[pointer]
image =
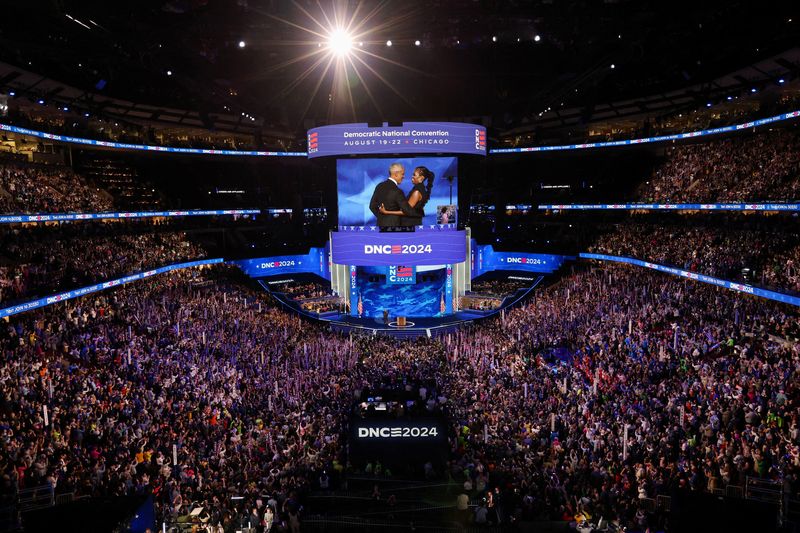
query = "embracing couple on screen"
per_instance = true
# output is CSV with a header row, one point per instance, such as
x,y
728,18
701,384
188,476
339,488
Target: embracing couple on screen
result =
x,y
391,206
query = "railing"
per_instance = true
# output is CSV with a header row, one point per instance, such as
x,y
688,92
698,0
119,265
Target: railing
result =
x,y
791,515
327,524
764,490
35,498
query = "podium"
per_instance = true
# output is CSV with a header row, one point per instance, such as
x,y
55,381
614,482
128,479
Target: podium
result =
x,y
401,321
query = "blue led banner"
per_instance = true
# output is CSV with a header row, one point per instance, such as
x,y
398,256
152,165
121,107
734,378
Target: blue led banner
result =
x,y
60,217
673,137
410,138
314,262
356,303
146,147
446,305
740,287
485,259
673,207
68,295
369,248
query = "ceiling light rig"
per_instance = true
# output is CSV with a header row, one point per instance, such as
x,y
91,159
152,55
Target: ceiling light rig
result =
x,y
344,50
340,42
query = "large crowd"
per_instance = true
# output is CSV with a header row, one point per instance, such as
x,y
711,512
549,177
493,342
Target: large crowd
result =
x,y
199,391
765,166
32,188
767,255
46,260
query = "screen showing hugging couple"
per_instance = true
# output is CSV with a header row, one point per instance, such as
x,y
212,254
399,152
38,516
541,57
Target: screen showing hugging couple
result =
x,y
362,182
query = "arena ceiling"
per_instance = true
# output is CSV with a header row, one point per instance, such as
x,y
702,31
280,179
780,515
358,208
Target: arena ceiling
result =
x,y
501,62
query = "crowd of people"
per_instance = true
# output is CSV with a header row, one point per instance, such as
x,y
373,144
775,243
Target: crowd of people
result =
x,y
477,302
323,305
304,290
39,263
33,188
765,166
768,255
197,390
611,387
499,287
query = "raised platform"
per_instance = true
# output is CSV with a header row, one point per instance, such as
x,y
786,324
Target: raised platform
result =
x,y
416,326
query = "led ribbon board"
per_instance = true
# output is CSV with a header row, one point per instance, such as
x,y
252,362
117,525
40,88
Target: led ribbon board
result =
x,y
59,217
645,140
314,262
409,138
68,295
732,285
391,249
485,259
145,147
673,207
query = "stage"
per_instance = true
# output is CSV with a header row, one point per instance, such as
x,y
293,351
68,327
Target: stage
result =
x,y
430,326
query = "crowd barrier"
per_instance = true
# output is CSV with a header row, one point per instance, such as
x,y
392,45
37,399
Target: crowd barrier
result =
x,y
59,217
740,287
673,207
645,140
68,295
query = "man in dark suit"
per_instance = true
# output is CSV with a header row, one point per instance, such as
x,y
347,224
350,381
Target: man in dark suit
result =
x,y
389,194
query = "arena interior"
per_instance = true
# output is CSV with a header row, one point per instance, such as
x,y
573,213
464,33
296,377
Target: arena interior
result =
x,y
383,266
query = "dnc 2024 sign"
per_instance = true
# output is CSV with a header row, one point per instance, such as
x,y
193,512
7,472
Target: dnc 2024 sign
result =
x,y
391,249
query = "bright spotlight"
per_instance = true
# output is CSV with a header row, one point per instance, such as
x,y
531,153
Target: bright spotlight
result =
x,y
417,43
537,38
388,43
242,44
340,43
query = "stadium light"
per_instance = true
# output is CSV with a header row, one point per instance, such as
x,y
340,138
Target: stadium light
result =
x,y
242,44
340,43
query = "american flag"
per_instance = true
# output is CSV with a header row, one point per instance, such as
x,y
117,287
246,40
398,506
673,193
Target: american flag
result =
x,y
360,305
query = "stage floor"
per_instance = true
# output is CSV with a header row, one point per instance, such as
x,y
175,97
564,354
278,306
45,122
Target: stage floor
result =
x,y
415,326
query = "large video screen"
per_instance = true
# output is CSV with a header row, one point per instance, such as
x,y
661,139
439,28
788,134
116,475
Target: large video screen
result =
x,y
356,180
403,291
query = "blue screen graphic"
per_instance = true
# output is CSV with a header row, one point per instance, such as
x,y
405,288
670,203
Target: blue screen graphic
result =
x,y
314,262
356,180
486,259
421,299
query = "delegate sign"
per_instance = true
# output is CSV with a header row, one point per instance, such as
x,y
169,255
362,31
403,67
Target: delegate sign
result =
x,y
390,249
410,138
